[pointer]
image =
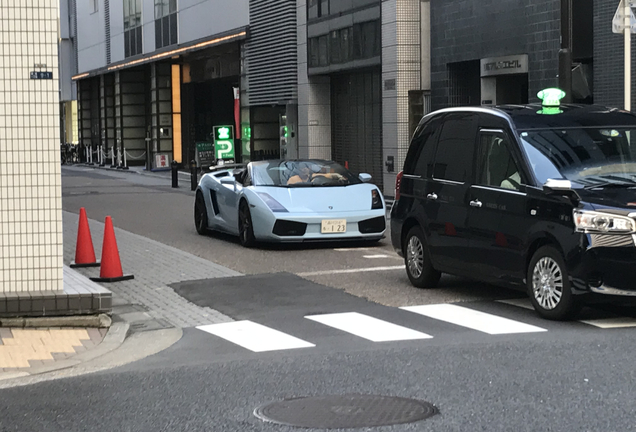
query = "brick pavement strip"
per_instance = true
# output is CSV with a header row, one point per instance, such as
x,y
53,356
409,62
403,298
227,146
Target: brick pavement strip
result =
x,y
155,266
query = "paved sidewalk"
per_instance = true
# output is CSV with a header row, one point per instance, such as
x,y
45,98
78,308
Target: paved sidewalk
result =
x,y
147,301
26,348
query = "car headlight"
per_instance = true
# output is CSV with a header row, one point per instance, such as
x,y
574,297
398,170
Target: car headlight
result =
x,y
376,200
273,205
598,222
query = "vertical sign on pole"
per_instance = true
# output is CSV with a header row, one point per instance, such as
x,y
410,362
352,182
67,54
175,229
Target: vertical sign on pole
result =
x,y
224,142
624,22
628,56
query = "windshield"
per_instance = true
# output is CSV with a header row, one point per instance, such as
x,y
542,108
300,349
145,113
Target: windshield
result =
x,y
588,156
308,173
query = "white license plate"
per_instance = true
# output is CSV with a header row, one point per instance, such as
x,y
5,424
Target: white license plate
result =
x,y
333,226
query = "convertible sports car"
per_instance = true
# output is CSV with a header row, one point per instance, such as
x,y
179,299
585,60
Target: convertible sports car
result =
x,y
289,201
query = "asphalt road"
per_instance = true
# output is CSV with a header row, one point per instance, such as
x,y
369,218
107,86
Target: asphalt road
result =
x,y
151,208
482,373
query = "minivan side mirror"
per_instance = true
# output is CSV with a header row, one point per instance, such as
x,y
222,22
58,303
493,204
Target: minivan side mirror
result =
x,y
366,178
557,186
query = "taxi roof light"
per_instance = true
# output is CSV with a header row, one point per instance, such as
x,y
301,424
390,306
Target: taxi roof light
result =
x,y
551,97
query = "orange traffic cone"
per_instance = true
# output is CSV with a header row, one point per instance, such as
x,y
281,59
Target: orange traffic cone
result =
x,y
110,270
84,251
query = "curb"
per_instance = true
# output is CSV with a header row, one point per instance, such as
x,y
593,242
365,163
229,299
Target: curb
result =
x,y
98,321
113,339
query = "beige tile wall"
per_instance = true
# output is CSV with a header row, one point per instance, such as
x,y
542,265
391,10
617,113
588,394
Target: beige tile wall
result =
x,y
30,183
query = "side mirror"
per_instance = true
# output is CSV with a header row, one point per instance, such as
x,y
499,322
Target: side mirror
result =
x,y
228,180
366,178
557,186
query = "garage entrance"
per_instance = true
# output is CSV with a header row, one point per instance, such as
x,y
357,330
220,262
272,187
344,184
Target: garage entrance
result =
x,y
356,110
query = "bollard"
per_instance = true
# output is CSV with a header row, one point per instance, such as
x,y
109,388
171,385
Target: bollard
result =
x,y
193,175
175,174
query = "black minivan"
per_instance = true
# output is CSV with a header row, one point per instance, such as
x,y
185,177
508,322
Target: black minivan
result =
x,y
540,197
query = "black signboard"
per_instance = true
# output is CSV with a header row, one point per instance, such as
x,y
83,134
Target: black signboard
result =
x,y
41,75
205,154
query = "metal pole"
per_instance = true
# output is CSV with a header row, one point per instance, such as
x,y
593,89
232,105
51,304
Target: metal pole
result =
x,y
193,175
175,175
125,160
628,56
113,157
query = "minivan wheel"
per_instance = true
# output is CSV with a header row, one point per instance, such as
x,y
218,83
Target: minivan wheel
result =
x,y
417,260
549,286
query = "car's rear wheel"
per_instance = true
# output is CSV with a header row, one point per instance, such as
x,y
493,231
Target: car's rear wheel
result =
x,y
200,214
246,229
549,286
419,268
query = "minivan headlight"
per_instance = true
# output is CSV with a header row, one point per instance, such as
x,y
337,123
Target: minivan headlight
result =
x,y
598,222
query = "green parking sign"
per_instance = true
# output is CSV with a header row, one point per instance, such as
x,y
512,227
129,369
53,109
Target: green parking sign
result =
x,y
224,142
223,133
224,149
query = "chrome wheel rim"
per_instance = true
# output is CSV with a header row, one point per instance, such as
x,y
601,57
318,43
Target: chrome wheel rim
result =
x,y
415,257
547,283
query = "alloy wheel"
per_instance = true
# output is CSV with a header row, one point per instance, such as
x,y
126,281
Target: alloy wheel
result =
x,y
547,283
415,256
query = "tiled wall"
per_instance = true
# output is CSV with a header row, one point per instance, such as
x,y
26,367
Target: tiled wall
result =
x,y
470,30
609,60
401,72
30,190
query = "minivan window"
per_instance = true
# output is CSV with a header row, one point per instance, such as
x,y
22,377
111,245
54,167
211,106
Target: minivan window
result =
x,y
423,147
589,156
496,166
455,148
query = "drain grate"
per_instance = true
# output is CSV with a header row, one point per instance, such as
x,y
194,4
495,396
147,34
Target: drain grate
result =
x,y
345,411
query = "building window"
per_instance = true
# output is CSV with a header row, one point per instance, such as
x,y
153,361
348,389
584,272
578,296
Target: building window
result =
x,y
367,40
362,41
166,31
317,8
132,28
93,5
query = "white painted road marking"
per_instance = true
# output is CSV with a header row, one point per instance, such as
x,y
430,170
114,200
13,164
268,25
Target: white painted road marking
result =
x,y
375,256
604,323
520,302
368,327
355,270
255,337
473,319
617,322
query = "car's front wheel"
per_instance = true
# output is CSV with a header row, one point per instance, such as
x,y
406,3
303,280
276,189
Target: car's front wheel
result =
x,y
549,285
417,260
246,230
200,214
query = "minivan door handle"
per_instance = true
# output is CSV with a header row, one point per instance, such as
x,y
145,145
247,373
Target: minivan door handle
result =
x,y
432,196
475,203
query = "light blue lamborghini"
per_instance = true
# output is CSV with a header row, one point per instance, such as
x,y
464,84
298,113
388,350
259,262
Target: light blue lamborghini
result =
x,y
289,201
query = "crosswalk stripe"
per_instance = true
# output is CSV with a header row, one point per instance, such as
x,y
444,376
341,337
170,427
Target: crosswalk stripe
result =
x,y
519,302
473,319
616,322
255,337
368,327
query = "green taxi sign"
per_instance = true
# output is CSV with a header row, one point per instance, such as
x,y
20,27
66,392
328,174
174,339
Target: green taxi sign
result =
x,y
551,97
550,100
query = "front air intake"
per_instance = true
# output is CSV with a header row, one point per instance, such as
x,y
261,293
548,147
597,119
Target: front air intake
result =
x,y
285,228
375,225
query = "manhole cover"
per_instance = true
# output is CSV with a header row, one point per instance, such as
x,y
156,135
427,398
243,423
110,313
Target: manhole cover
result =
x,y
345,411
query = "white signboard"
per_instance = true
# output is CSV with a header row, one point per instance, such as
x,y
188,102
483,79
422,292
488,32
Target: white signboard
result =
x,y
618,22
